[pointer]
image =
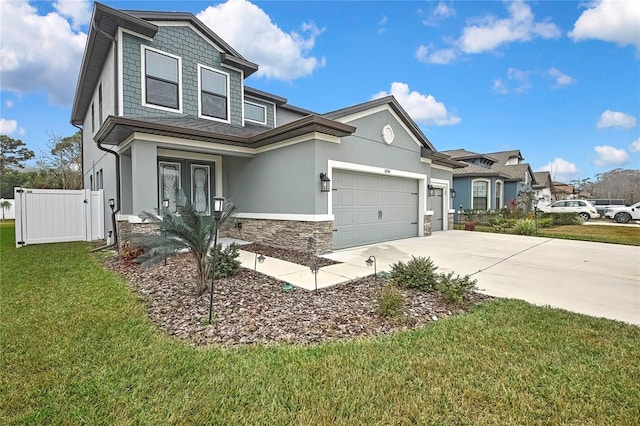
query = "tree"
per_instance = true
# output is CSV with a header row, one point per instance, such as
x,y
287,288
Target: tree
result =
x,y
4,205
62,167
185,229
13,152
12,178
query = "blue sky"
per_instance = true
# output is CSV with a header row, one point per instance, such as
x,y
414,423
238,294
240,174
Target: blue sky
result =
x,y
559,80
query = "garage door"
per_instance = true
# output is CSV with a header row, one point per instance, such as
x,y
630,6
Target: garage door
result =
x,y
372,208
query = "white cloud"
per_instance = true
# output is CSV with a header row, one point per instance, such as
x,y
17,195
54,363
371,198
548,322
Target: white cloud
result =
x,y
616,21
561,170
490,33
440,12
616,119
430,56
78,10
423,109
635,146
609,156
514,75
8,126
8,103
561,78
246,27
47,59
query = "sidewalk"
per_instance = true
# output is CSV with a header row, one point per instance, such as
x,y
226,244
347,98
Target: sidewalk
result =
x,y
301,276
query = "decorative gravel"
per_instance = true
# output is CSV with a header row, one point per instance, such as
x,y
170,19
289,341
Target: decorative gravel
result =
x,y
254,308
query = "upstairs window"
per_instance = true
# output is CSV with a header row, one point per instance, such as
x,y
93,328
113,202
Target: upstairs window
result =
x,y
161,79
214,95
254,112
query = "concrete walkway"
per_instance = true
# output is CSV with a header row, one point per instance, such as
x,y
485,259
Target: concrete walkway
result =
x,y
597,279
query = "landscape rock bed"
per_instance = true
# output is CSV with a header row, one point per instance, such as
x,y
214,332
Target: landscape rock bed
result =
x,y
253,308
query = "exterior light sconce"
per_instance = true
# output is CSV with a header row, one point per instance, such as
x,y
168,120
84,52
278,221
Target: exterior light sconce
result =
x,y
258,259
218,207
314,271
165,203
371,261
452,192
325,183
112,203
432,190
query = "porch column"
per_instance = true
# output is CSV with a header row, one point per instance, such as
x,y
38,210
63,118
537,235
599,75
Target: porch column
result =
x,y
144,176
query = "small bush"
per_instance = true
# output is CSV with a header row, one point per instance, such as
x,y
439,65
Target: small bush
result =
x,y
545,222
453,289
469,226
563,218
129,251
419,272
525,227
227,263
390,302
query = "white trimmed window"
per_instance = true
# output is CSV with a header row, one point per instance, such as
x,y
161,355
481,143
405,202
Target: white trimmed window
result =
x,y
480,195
162,74
214,93
255,112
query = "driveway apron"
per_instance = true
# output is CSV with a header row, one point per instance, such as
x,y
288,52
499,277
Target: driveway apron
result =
x,y
596,279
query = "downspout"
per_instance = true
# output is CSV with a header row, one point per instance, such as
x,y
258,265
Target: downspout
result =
x,y
114,212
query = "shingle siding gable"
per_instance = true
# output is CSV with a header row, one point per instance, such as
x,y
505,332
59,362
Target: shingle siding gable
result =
x,y
184,42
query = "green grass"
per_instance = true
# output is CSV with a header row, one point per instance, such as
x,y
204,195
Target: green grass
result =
x,y
78,348
627,235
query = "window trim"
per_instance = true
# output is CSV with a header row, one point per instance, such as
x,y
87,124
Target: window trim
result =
x,y
488,182
499,195
228,94
143,82
264,108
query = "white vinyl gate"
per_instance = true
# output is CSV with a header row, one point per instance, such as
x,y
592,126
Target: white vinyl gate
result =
x,y
56,215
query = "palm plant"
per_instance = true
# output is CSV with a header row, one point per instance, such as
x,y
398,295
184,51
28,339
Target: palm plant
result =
x,y
185,229
4,205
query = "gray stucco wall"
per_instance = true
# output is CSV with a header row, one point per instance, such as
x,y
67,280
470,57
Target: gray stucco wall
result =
x,y
187,44
286,116
278,181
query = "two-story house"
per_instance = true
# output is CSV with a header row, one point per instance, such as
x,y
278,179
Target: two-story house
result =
x,y
164,110
490,181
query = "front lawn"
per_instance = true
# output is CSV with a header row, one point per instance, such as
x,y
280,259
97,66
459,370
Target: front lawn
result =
x,y
77,347
627,235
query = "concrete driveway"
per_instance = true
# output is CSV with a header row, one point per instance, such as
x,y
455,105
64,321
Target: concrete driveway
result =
x,y
597,279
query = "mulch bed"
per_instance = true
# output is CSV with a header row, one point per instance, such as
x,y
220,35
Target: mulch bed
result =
x,y
253,308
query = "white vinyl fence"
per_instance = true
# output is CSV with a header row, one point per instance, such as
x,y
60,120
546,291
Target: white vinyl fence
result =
x,y
56,215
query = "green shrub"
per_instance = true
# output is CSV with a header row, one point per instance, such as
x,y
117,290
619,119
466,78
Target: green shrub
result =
x,y
227,263
525,227
389,301
419,272
563,218
545,222
453,289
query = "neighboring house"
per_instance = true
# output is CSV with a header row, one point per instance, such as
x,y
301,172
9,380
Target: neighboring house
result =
x,y
543,188
491,180
164,109
563,191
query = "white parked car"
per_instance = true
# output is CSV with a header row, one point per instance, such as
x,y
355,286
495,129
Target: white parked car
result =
x,y
583,208
624,214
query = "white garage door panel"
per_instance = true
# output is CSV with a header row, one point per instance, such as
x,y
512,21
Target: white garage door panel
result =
x,y
385,208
